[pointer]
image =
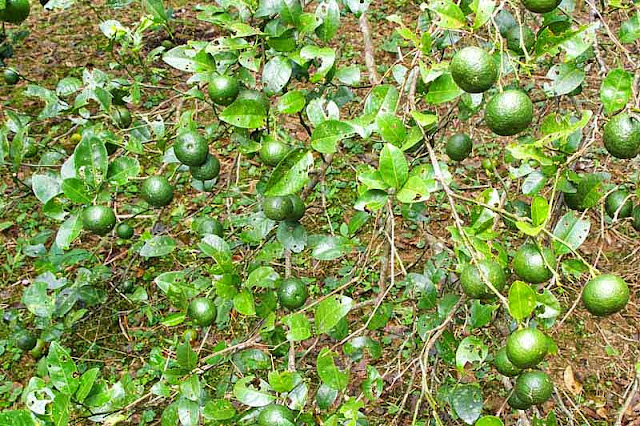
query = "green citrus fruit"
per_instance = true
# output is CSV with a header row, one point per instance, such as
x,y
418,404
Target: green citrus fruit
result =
x,y
509,112
541,6
622,136
473,69
202,311
529,264
207,171
191,148
505,21
298,207
473,283
292,293
75,138
15,11
157,191
121,116
515,402
276,415
254,95
25,340
124,230
273,151
527,347
504,366
207,225
514,35
11,76
605,295
459,146
488,164
98,219
223,89
277,208
588,192
533,387
636,218
618,202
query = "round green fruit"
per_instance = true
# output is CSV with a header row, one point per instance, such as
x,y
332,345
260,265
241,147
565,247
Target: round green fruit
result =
x,y
636,218
533,387
273,151
277,208
223,89
509,112
298,207
208,225
504,365
459,146
605,295
622,136
124,231
473,70
473,283
292,293
11,76
527,347
488,164
541,6
514,35
121,117
25,340
202,311
529,264
517,403
276,415
15,11
207,171
99,220
191,148
620,203
157,191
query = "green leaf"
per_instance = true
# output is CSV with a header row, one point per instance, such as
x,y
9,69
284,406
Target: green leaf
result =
x,y
481,314
472,349
450,14
244,304
566,78
45,187
276,74
218,249
69,231
443,89
327,247
156,9
373,200
62,370
283,381
572,230
186,58
158,246
292,102
299,327
75,191
291,174
248,395
489,421
326,136
122,169
483,10
292,236
615,90
349,75
522,300
218,410
330,311
394,167
539,210
328,13
262,277
91,160
533,183
185,355
86,382
53,105
427,121
629,31
382,99
391,128
17,417
327,58
328,372
245,113
466,400
37,301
